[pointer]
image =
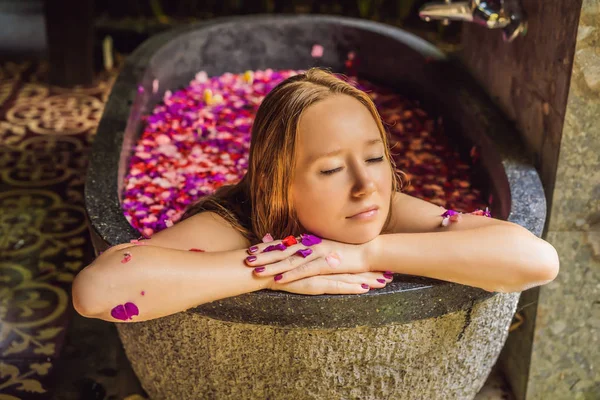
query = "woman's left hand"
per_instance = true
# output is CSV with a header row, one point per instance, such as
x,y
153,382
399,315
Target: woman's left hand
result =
x,y
326,257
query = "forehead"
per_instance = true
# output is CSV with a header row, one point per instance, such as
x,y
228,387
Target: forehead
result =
x,y
338,122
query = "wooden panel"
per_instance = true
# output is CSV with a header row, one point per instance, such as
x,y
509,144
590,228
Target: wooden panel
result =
x,y
70,32
529,80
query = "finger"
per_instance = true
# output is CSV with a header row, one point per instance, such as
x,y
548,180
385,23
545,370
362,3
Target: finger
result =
x,y
260,247
317,266
316,285
388,276
373,279
277,262
303,267
339,287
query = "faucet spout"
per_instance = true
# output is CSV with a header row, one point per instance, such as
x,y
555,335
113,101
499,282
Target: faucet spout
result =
x,y
459,11
493,14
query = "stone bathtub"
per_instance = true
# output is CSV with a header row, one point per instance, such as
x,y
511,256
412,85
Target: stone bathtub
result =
x,y
417,338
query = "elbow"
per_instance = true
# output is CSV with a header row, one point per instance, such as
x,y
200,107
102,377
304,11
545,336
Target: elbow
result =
x,y
89,286
83,297
549,268
545,270
541,272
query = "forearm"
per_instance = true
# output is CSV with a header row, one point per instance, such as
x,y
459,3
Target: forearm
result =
x,y
494,258
161,281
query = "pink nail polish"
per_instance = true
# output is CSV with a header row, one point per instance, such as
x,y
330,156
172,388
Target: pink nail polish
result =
x,y
259,269
278,277
364,286
381,280
251,258
388,276
253,249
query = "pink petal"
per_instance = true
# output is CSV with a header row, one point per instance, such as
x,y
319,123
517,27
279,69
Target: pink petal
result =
x,y
333,260
317,51
126,258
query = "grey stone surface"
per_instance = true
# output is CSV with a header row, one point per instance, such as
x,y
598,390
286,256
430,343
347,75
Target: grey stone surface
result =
x,y
188,356
566,349
93,353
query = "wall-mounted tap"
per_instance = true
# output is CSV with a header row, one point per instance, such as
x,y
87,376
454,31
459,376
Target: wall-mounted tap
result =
x,y
504,14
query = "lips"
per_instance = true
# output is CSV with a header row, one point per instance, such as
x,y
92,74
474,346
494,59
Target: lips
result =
x,y
370,208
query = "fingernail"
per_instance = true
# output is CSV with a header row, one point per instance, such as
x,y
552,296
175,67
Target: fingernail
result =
x,y
253,249
388,272
388,276
381,280
251,258
278,277
259,269
364,286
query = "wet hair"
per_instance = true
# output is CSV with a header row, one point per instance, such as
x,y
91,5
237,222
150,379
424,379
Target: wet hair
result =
x,y
261,202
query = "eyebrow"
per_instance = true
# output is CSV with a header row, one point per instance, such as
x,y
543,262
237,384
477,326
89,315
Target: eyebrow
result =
x,y
334,152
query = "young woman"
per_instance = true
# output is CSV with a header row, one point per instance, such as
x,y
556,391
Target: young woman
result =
x,y
319,163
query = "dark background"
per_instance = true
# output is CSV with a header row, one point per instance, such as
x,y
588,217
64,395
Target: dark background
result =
x,y
23,32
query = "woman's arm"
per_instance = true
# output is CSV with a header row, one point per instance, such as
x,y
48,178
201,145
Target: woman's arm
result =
x,y
160,281
162,276
413,215
498,258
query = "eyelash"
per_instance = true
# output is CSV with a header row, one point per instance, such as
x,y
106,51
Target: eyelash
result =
x,y
372,160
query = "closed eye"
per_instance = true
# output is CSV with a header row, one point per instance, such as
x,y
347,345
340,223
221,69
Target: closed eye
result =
x,y
372,160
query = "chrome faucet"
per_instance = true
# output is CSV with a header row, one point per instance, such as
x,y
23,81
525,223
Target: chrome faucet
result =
x,y
504,14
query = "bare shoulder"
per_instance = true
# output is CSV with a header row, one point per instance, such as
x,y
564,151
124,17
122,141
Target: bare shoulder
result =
x,y
207,231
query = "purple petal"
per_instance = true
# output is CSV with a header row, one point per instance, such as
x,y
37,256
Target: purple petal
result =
x,y
119,312
279,246
449,213
310,240
304,252
131,310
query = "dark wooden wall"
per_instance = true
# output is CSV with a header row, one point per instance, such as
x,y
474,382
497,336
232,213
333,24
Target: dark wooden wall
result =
x,y
529,79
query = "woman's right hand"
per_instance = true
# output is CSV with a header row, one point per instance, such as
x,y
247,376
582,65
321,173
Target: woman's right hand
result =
x,y
334,284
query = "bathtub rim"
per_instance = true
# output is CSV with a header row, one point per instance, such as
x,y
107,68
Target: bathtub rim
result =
x,y
416,297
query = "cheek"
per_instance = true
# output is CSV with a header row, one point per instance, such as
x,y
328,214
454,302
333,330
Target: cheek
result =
x,y
386,181
315,200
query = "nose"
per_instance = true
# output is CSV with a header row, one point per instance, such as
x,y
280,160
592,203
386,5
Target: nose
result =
x,y
364,185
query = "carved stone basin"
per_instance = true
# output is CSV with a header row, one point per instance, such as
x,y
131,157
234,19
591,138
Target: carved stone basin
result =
x,y
417,338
